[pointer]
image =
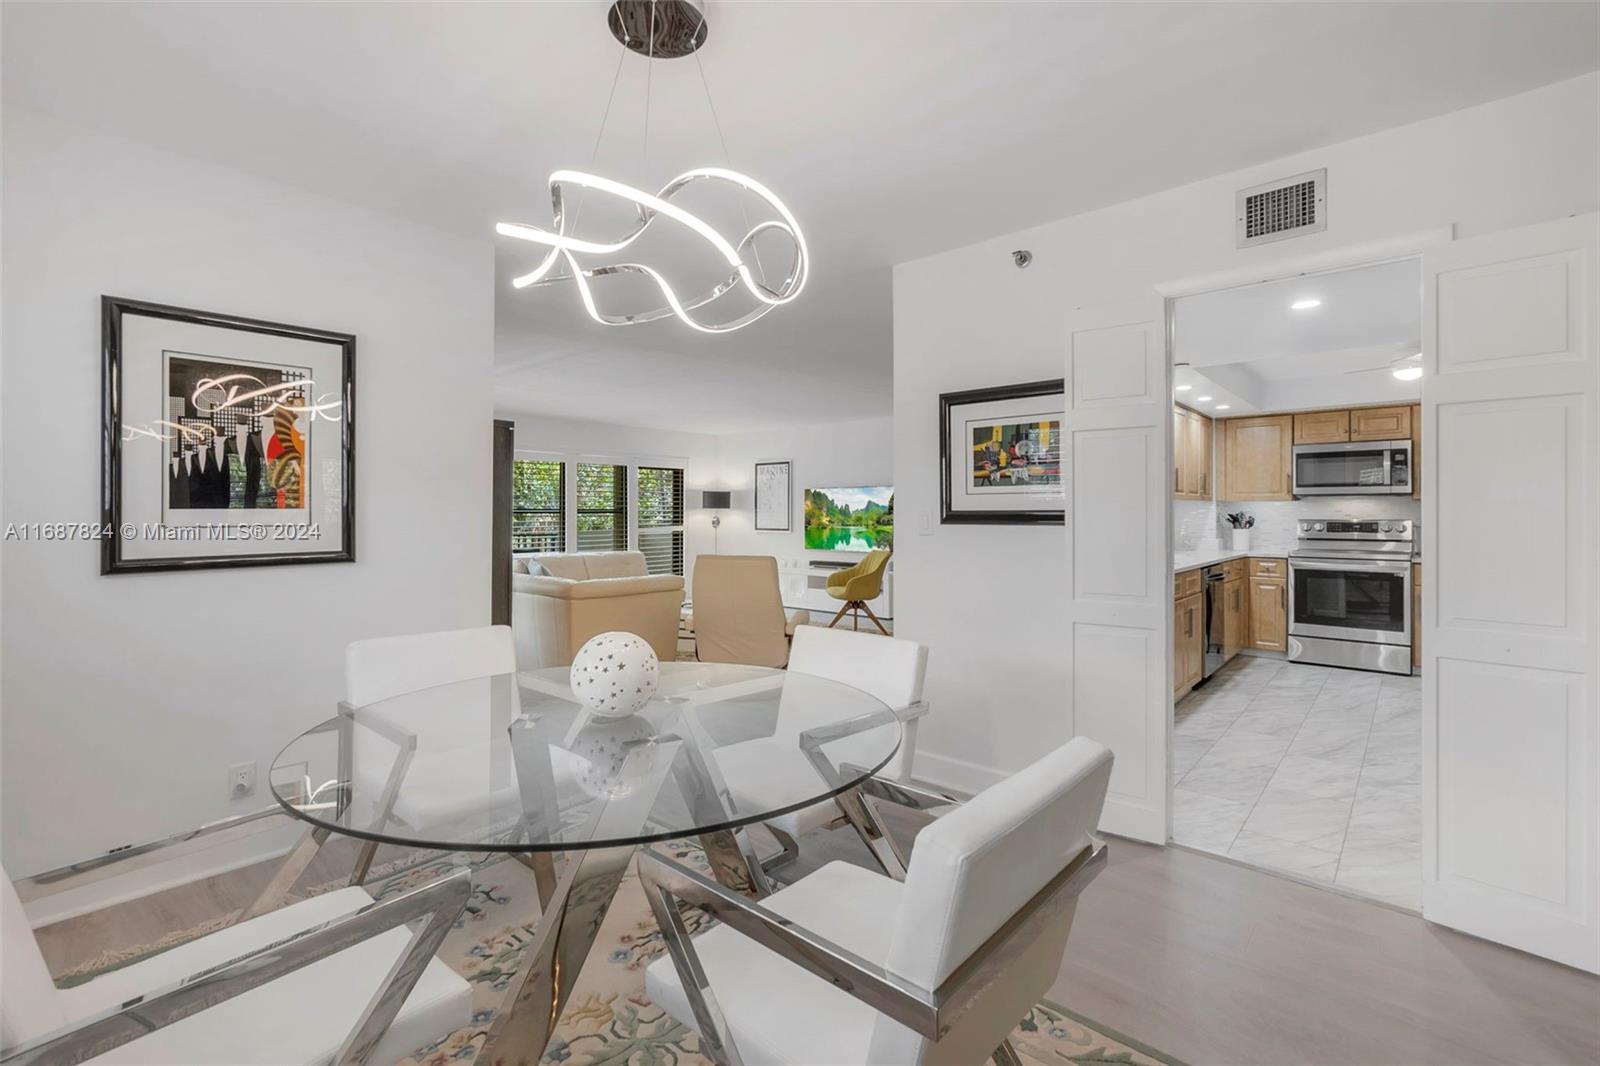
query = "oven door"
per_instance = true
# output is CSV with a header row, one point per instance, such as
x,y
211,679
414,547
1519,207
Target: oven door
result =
x,y
1377,467
1367,600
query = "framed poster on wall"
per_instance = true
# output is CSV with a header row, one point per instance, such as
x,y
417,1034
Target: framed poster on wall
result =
x,y
226,441
774,496
1000,454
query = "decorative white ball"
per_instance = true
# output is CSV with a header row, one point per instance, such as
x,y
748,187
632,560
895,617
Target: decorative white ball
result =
x,y
615,674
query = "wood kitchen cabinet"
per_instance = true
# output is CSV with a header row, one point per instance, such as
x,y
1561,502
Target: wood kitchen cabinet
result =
x,y
1256,458
1188,642
1380,423
1322,427
1191,455
1233,616
1268,608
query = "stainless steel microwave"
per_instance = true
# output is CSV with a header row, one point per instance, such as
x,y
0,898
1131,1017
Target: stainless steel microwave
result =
x,y
1360,468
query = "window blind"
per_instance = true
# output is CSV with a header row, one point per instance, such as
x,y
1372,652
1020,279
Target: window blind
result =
x,y
602,507
538,505
661,519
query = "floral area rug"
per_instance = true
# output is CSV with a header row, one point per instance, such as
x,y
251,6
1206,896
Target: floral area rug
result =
x,y
610,1022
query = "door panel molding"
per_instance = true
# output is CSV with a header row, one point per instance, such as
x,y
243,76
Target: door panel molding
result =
x,y
1117,445
1510,656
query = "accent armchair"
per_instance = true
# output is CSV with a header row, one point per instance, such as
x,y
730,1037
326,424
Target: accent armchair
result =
x,y
738,611
335,978
857,585
849,967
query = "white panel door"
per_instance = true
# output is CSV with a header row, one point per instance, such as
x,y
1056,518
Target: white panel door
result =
x,y
1510,657
1117,441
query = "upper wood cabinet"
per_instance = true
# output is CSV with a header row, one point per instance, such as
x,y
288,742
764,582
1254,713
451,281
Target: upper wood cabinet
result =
x,y
1191,455
1322,427
1256,457
1380,423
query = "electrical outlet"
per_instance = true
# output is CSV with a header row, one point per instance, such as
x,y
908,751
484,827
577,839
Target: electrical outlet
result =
x,y
242,780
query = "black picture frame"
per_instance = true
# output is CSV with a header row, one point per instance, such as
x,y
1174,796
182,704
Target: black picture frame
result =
x,y
948,401
788,502
112,310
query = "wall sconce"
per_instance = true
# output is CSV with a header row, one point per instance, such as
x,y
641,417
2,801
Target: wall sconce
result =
x,y
715,500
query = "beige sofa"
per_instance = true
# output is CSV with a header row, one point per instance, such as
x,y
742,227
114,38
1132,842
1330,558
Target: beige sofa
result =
x,y
583,594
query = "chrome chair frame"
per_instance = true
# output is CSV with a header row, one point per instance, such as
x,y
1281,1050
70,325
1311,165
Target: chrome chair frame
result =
x,y
931,1014
434,908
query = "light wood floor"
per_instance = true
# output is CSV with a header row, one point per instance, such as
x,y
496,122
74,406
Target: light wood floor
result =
x,y
1204,960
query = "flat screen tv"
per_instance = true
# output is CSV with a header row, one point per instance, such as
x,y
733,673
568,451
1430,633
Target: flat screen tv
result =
x,y
856,519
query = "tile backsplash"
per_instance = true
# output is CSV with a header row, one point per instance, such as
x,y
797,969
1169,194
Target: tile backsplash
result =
x,y
1274,531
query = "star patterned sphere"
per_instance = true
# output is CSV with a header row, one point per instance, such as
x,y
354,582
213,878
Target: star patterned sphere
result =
x,y
615,674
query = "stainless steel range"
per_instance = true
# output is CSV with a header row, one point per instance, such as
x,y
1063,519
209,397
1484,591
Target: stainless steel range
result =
x,y
1350,594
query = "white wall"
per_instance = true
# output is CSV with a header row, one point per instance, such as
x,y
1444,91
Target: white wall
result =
x,y
835,454
985,598
574,439
126,697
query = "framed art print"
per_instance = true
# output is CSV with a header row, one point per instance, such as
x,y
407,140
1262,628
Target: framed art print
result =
x,y
774,497
1000,454
226,441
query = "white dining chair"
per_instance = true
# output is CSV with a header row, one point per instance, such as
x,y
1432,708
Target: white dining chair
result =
x,y
847,966
889,668
434,695
335,978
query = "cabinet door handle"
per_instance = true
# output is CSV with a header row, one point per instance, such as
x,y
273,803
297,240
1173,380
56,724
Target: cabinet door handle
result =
x,y
1202,482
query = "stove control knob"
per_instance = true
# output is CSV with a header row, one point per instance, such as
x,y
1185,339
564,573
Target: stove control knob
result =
x,y
1304,526
1385,528
1319,527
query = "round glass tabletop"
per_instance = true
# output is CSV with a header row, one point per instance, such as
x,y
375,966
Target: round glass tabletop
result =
x,y
514,762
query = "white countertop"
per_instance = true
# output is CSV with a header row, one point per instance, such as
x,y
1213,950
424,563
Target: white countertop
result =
x,y
1192,560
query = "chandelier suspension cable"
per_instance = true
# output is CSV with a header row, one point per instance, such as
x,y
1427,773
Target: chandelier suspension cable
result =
x,y
594,154
727,161
649,80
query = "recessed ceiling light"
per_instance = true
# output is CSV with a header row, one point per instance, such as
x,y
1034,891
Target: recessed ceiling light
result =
x,y
1202,399
1222,406
1183,388
1408,373
1305,305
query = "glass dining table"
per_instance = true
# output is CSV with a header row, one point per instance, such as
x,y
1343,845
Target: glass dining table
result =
x,y
515,764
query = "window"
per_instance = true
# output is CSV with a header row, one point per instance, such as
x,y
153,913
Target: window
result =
x,y
661,519
538,505
602,507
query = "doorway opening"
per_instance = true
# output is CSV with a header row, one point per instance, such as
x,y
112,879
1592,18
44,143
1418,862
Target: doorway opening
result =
x,y
1296,738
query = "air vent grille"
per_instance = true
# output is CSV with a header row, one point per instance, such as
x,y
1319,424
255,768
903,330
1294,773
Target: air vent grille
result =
x,y
1279,209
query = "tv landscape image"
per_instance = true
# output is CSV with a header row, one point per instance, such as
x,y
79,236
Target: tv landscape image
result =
x,y
855,519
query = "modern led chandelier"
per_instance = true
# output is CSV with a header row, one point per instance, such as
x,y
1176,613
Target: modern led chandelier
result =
x,y
664,29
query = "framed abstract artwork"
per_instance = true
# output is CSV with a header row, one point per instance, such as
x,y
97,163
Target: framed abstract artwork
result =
x,y
774,497
1000,454
226,441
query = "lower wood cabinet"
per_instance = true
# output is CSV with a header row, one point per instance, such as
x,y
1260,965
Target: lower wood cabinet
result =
x,y
1269,606
1234,612
1188,642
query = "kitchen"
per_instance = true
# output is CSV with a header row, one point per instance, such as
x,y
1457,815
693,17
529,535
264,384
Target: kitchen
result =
x,y
1296,578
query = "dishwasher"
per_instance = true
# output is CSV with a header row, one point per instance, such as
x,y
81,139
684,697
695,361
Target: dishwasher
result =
x,y
1211,585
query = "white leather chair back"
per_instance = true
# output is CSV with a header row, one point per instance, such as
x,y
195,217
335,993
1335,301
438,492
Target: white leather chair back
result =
x,y
970,872
888,668
382,667
405,672
29,1004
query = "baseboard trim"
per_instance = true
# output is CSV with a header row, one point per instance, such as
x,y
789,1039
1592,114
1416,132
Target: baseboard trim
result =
x,y
955,775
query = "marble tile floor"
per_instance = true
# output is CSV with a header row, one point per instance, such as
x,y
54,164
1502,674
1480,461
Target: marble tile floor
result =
x,y
1308,770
